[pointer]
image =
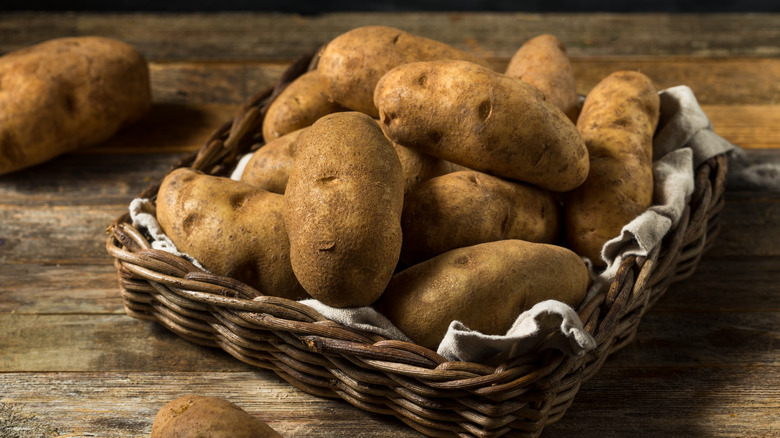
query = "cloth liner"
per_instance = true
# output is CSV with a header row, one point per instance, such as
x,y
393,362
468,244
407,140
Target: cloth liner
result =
x,y
684,139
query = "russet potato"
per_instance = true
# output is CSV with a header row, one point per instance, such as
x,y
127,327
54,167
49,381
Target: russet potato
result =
x,y
343,210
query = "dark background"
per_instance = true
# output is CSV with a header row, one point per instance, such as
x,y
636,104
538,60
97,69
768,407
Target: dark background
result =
x,y
315,7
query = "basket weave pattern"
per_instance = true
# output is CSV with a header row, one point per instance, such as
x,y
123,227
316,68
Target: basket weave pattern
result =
x,y
435,396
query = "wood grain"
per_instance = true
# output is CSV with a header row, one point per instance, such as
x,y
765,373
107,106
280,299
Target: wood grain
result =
x,y
123,404
271,36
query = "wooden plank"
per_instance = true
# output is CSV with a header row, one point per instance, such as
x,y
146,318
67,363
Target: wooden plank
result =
x,y
690,338
101,342
124,404
720,401
270,36
715,81
100,180
56,234
717,282
62,289
619,402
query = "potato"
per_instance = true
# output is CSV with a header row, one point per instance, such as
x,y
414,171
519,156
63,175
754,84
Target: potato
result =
x,y
299,105
469,207
470,115
269,167
419,167
617,123
67,94
232,228
485,286
352,63
198,416
543,63
343,210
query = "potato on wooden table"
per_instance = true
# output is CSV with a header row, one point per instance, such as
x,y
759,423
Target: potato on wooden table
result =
x,y
351,64
231,228
343,210
66,94
198,416
466,208
485,286
473,116
617,122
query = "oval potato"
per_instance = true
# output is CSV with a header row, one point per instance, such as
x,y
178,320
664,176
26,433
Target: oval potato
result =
x,y
299,105
231,228
470,115
617,122
543,63
485,286
198,416
66,94
269,167
351,64
468,207
343,210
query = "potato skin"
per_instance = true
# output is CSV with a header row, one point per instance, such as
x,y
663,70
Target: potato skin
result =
x,y
486,121
232,228
543,63
617,123
299,105
198,416
343,210
269,167
485,286
468,207
352,63
66,94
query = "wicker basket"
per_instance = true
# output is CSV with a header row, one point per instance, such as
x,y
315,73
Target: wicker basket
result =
x,y
434,396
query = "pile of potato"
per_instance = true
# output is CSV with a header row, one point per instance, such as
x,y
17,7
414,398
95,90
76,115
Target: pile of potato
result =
x,y
409,175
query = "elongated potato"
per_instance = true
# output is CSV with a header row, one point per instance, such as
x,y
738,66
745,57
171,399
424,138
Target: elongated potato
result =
x,y
468,207
269,167
352,63
67,94
617,123
470,115
343,210
543,63
232,228
198,416
485,286
299,105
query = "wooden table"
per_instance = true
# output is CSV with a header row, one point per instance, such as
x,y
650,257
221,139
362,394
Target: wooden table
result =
x,y
706,361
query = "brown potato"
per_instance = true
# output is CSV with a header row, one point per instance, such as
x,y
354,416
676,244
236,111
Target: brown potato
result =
x,y
269,167
469,207
198,416
67,94
231,228
419,167
352,63
485,286
470,115
299,105
617,123
343,210
543,63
